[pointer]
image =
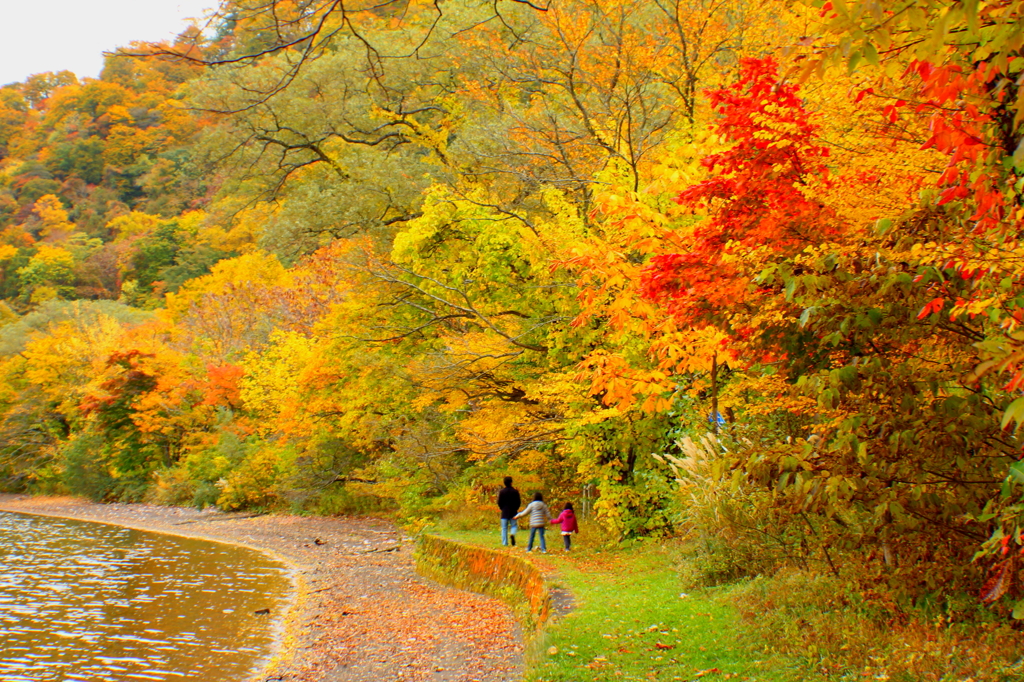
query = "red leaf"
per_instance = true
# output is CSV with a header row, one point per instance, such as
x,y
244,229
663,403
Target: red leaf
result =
x,y
933,306
1001,577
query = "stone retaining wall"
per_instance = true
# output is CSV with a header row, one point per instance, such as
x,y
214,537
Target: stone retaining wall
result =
x,y
496,573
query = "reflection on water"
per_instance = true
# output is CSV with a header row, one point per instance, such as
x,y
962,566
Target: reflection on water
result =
x,y
90,602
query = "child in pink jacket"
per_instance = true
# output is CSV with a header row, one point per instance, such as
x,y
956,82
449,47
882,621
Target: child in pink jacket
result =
x,y
569,526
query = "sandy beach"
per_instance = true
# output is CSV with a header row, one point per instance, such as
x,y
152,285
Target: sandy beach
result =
x,y
359,610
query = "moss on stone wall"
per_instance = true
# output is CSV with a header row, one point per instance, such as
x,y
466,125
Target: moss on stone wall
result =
x,y
498,574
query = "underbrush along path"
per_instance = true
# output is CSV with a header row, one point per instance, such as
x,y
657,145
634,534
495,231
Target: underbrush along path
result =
x,y
361,613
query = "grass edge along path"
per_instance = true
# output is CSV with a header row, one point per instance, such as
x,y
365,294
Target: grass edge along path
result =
x,y
632,621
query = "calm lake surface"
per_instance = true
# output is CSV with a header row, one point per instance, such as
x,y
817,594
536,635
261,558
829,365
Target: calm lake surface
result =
x,y
91,602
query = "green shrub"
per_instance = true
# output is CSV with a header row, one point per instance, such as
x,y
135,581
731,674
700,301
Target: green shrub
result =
x,y
255,481
205,495
839,629
339,499
88,469
171,486
232,472
730,531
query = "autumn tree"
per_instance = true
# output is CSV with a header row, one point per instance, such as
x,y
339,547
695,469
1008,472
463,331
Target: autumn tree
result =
x,y
48,364
957,68
818,295
501,95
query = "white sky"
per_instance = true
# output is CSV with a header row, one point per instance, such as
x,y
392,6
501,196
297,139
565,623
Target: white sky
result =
x,y
54,35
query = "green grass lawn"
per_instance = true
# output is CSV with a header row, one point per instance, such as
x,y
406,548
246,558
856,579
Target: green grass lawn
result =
x,y
633,621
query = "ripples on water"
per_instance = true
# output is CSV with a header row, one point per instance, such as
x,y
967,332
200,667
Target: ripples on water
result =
x,y
90,602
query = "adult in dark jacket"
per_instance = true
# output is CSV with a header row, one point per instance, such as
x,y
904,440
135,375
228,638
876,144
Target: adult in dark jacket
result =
x,y
508,503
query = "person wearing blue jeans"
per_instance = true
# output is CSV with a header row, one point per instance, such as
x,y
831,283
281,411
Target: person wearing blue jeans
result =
x,y
539,516
534,531
508,503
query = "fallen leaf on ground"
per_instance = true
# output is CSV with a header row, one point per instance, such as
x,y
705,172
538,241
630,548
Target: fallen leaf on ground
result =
x,y
702,673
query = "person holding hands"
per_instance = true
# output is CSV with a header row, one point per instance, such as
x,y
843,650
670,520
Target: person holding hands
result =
x,y
539,515
567,519
508,503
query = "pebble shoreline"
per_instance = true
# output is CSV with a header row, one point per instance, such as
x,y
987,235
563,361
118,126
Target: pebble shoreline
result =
x,y
359,612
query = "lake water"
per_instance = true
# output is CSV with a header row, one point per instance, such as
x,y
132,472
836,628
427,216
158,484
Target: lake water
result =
x,y
94,603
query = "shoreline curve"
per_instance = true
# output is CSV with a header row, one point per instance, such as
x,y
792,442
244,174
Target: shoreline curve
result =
x,y
279,629
357,611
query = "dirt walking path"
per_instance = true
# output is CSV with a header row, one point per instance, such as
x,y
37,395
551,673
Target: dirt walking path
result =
x,y
360,613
